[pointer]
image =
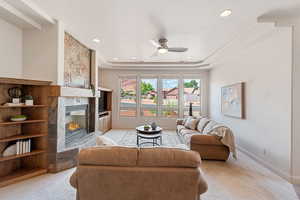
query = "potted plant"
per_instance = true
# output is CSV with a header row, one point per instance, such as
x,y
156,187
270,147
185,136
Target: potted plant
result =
x,y
28,100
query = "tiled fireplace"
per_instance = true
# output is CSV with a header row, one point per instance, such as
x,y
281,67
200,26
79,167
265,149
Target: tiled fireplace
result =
x,y
76,124
71,127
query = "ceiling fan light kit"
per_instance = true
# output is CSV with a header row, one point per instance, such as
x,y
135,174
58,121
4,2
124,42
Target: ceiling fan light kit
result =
x,y
162,50
162,47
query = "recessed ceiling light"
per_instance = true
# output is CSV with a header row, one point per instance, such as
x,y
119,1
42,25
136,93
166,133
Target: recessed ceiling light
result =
x,y
189,57
115,59
133,58
226,13
97,40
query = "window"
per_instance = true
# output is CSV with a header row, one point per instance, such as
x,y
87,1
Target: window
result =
x,y
166,97
148,89
170,97
191,94
128,103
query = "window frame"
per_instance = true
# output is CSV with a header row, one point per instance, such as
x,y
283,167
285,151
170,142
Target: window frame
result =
x,y
140,96
119,95
161,106
200,89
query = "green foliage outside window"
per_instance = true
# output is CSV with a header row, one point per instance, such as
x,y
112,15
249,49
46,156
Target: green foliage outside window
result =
x,y
146,88
191,84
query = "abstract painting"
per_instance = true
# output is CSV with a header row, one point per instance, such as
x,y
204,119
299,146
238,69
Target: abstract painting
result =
x,y
232,100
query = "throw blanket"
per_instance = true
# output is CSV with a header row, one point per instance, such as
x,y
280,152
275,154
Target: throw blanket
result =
x,y
226,136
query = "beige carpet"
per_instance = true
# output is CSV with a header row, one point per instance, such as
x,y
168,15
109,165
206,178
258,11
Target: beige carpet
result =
x,y
243,179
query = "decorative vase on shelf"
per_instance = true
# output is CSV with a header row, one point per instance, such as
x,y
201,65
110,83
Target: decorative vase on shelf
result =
x,y
15,93
153,126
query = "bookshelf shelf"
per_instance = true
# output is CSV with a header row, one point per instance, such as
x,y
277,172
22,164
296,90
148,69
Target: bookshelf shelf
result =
x,y
21,137
21,122
23,166
33,106
19,175
32,153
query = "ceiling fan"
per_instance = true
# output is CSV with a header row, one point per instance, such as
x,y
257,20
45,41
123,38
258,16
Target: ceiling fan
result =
x,y
163,48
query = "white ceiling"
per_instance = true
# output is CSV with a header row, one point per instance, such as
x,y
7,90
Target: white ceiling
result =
x,y
125,27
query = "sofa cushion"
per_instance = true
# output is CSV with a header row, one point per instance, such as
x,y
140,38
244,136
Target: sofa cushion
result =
x,y
206,140
180,121
179,128
108,156
187,138
191,123
186,131
186,119
168,157
202,123
209,126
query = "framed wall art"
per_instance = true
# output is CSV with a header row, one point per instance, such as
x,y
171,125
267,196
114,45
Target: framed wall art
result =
x,y
233,100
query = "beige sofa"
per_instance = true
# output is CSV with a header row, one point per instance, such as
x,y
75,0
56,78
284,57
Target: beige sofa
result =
x,y
200,139
112,173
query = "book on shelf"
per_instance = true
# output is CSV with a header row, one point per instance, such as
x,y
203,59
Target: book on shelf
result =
x,y
23,146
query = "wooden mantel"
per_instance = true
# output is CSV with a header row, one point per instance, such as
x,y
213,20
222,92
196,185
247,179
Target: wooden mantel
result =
x,y
18,81
104,89
59,91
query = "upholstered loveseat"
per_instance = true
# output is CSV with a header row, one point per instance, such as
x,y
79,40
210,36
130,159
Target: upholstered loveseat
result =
x,y
212,140
112,173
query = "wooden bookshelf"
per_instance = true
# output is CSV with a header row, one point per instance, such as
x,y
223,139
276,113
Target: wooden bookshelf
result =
x,y
23,166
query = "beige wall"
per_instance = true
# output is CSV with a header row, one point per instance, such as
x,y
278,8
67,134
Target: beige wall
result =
x,y
110,79
10,50
41,54
264,62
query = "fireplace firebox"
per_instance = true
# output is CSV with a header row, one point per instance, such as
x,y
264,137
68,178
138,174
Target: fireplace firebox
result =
x,y
76,124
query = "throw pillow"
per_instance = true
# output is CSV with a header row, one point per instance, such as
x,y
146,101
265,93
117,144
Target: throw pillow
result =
x,y
186,119
191,123
202,123
210,125
105,141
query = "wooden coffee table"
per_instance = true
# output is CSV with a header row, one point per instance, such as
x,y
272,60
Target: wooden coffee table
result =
x,y
150,134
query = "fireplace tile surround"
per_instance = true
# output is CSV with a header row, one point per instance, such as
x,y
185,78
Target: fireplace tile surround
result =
x,y
62,156
64,102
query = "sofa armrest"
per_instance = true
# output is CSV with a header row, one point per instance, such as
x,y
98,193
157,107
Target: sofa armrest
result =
x,y
202,188
205,140
179,122
73,179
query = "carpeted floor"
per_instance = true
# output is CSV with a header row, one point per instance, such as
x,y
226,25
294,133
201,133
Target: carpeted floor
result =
x,y
241,179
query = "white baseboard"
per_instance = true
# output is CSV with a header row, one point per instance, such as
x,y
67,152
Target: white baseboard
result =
x,y
269,166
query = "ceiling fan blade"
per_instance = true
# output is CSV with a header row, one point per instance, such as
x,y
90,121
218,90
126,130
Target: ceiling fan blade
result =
x,y
154,43
155,54
177,49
